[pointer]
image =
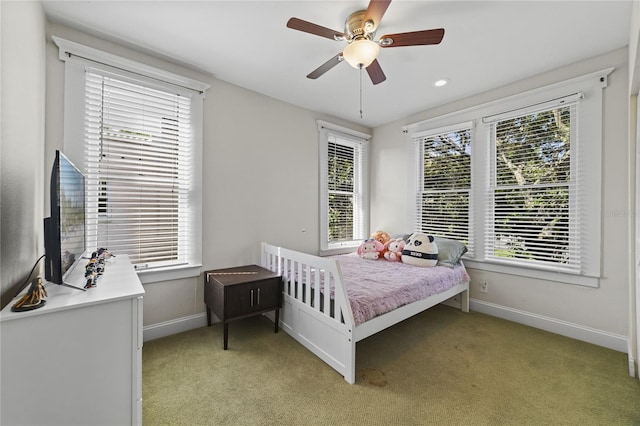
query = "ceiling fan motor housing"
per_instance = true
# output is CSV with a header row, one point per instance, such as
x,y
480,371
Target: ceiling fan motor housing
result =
x,y
356,29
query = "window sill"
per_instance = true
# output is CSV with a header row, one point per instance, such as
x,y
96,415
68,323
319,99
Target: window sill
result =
x,y
560,277
169,273
340,250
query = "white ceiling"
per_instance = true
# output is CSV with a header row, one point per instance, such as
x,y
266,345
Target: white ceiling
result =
x,y
486,44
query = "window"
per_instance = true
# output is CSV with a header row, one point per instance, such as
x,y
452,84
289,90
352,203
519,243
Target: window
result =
x,y
528,169
137,146
444,183
137,133
531,195
343,180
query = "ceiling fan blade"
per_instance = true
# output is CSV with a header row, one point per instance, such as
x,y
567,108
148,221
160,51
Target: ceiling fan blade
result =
x,y
375,72
326,66
415,38
311,28
375,11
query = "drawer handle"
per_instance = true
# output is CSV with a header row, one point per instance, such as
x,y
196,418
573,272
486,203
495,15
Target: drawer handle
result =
x,y
252,298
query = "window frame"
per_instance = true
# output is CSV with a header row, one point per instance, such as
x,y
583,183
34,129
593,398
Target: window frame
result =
x,y
572,186
354,138
78,58
417,141
588,163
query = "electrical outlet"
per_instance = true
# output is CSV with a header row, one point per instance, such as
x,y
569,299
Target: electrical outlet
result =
x,y
484,287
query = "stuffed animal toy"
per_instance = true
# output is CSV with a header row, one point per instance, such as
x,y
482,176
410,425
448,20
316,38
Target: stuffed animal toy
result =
x,y
420,250
384,238
370,249
393,250
381,236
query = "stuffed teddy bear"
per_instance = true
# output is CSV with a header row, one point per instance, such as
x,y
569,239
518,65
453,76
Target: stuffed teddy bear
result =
x,y
420,250
370,249
384,238
381,236
393,250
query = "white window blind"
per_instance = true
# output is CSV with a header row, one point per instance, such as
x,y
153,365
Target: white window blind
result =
x,y
343,176
344,205
536,179
532,208
137,163
444,184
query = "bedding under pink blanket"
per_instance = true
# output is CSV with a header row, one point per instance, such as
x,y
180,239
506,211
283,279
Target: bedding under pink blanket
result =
x,y
375,287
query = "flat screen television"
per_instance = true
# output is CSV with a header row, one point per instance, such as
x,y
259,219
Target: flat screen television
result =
x,y
64,231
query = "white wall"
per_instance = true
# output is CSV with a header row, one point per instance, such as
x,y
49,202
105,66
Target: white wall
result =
x,y
22,116
634,48
634,204
603,309
257,151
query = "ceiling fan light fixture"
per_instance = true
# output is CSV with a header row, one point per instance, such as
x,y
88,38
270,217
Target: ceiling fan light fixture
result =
x,y
361,53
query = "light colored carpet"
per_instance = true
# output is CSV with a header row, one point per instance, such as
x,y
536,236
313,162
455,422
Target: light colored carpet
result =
x,y
441,367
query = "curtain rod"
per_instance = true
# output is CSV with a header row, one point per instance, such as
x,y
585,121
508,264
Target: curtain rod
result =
x,y
574,97
600,75
69,54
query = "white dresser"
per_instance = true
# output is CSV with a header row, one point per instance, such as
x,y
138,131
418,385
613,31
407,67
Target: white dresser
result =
x,y
78,359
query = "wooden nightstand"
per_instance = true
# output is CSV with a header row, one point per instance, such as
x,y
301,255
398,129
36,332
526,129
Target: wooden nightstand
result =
x,y
241,292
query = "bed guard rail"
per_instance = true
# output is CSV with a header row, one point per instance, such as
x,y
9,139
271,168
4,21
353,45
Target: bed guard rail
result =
x,y
309,279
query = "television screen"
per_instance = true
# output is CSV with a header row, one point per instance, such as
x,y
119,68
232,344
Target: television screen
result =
x,y
65,229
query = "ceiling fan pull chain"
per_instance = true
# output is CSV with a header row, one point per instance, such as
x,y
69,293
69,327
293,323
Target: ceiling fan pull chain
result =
x,y
361,92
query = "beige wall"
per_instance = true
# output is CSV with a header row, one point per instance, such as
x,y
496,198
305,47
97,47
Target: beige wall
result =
x,y
634,264
257,152
634,48
22,116
604,308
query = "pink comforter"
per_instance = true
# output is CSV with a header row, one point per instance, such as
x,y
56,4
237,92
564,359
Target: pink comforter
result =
x,y
375,287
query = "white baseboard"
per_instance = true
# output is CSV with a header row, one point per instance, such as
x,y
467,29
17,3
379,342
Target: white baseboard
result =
x,y
564,328
586,334
167,328
632,361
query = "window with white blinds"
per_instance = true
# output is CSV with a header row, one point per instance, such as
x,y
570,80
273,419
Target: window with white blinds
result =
x,y
444,184
344,177
137,169
135,131
341,192
532,205
529,169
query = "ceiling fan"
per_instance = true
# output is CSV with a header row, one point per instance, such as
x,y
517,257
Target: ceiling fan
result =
x,y
362,50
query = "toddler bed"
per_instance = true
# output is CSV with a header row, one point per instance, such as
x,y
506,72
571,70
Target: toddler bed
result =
x,y
365,297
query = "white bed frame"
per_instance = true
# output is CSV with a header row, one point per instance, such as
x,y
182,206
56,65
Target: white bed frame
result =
x,y
331,333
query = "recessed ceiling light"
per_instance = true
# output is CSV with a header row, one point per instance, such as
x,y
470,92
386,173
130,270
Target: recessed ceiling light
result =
x,y
441,82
